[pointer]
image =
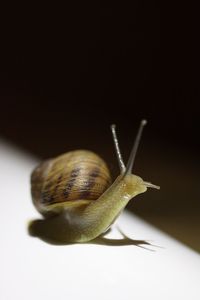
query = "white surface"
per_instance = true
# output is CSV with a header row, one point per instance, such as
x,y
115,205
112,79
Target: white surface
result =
x,y
33,269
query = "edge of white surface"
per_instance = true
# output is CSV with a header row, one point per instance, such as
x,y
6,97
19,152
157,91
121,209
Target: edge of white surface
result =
x,y
37,270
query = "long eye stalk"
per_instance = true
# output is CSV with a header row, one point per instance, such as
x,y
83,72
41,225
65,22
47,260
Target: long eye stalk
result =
x,y
132,156
117,149
128,170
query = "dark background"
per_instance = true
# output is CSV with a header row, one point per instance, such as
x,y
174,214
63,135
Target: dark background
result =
x,y
67,73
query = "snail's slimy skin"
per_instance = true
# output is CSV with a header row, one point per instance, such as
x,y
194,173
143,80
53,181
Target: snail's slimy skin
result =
x,y
85,223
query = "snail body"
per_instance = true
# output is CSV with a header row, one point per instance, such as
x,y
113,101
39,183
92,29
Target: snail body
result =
x,y
74,193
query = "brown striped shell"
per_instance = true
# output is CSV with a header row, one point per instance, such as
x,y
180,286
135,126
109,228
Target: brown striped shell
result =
x,y
70,180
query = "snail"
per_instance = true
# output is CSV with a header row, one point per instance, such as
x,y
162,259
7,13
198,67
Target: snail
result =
x,y
75,195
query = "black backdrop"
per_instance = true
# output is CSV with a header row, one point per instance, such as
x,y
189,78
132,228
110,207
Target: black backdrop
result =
x,y
67,73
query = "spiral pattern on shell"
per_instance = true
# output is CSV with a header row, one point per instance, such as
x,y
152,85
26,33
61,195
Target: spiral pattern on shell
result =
x,y
70,178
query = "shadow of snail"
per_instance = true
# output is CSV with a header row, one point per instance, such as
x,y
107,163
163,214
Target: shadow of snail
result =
x,y
74,194
40,228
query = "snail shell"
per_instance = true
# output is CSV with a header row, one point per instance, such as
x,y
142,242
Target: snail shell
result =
x,y
70,180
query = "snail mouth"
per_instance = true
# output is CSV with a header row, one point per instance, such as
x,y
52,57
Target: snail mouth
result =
x,y
151,185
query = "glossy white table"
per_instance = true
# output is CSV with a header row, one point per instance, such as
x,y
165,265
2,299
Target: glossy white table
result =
x,y
33,269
